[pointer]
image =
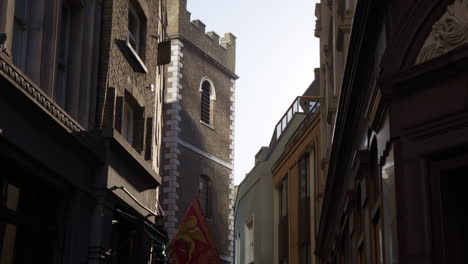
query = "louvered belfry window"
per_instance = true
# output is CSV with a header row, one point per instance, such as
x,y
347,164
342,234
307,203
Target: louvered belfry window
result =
x,y
206,103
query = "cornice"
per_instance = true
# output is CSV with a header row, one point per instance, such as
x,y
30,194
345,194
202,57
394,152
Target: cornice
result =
x,y
36,95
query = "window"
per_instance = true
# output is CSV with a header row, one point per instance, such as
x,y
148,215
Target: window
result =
x,y
361,258
377,253
128,122
304,254
9,200
203,195
304,210
237,249
131,122
206,105
453,207
20,30
283,228
249,241
374,206
62,58
134,29
389,210
136,35
304,177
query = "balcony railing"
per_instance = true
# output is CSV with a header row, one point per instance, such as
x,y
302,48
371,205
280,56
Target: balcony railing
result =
x,y
302,104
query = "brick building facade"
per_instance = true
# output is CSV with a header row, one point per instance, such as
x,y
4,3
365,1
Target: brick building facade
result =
x,y
80,119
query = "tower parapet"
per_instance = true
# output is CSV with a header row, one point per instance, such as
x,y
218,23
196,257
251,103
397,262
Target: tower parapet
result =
x,y
193,31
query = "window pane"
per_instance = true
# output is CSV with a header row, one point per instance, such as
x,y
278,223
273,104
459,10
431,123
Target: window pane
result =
x,y
284,198
19,37
203,195
64,33
21,10
302,177
128,123
389,210
249,241
205,103
133,29
132,23
8,244
62,70
12,198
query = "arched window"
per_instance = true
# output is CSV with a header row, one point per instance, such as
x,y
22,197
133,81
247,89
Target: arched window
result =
x,y
207,97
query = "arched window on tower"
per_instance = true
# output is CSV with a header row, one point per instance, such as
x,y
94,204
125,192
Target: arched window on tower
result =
x,y
207,101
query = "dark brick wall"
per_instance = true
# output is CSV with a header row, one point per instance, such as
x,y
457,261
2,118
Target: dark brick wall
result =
x,y
123,79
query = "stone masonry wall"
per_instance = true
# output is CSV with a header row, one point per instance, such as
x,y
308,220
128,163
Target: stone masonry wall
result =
x,y
192,148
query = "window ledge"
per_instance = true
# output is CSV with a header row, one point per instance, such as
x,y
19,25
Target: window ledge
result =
x,y
136,56
208,125
133,158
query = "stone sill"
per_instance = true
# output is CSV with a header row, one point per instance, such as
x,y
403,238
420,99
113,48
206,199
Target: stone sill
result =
x,y
136,56
207,125
121,144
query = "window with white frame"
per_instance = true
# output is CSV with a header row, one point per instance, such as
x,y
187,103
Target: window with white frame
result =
x,y
249,241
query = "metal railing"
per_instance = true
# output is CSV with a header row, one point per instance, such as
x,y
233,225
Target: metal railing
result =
x,y
302,104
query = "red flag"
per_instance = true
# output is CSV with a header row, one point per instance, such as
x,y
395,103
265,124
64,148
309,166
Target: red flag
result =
x,y
192,244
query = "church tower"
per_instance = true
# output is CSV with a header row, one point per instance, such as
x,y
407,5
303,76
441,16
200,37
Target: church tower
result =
x,y
198,136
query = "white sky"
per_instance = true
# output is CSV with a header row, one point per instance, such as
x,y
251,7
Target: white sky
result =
x,y
276,56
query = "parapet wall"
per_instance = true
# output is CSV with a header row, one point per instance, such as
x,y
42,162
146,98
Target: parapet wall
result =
x,y
222,49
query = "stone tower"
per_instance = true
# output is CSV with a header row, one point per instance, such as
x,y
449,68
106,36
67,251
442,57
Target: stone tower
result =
x,y
198,136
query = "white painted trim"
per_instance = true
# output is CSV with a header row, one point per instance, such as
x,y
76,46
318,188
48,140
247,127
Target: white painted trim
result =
x,y
212,90
204,154
171,162
231,158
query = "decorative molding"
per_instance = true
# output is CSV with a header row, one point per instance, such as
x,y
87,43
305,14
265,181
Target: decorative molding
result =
x,y
204,154
448,33
38,96
212,90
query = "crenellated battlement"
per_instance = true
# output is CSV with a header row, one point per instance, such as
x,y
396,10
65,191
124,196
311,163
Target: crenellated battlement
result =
x,y
222,49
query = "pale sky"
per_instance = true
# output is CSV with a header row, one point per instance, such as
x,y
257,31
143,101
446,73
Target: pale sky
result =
x,y
275,60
